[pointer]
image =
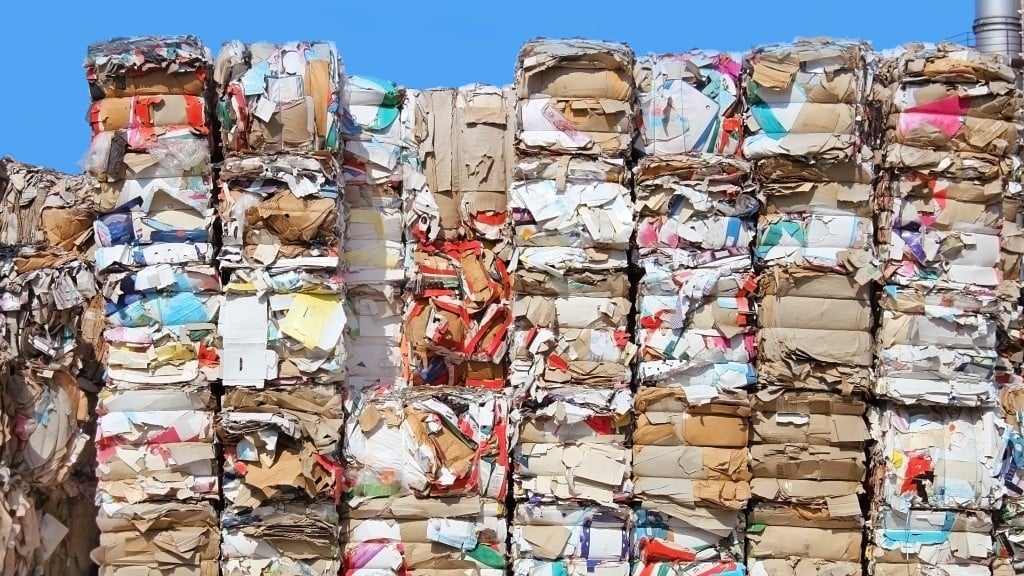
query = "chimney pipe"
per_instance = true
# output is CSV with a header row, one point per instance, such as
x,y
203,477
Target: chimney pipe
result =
x,y
997,28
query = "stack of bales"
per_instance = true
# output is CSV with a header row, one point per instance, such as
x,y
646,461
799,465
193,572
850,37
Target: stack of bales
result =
x,y
572,217
51,331
808,137
951,134
284,314
151,152
376,145
696,215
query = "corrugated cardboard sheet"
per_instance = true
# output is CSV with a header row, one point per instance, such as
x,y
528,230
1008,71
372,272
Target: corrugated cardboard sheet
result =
x,y
457,316
808,449
176,539
44,206
569,539
815,331
687,455
409,535
283,538
279,97
689,102
432,442
570,445
801,541
805,99
464,140
575,96
571,202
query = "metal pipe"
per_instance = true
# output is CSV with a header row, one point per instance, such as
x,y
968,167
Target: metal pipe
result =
x,y
997,27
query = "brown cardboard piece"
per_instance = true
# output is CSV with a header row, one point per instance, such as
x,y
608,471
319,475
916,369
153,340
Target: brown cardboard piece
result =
x,y
154,82
664,417
785,542
802,566
575,69
691,462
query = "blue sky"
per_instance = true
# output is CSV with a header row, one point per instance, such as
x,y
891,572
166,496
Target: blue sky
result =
x,y
420,44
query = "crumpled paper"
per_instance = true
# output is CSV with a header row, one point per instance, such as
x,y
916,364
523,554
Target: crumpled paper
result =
x,y
46,206
457,316
430,442
279,97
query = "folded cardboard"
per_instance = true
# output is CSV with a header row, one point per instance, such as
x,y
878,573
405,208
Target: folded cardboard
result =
x,y
464,138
